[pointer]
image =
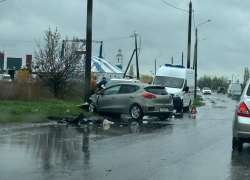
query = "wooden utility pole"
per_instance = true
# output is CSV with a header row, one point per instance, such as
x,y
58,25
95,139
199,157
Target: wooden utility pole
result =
x,y
182,58
189,34
88,51
136,55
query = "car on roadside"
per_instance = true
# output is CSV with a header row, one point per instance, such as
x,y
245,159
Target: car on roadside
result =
x,y
134,99
241,120
206,90
221,89
121,80
198,89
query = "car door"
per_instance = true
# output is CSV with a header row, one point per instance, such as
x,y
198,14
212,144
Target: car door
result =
x,y
107,100
125,97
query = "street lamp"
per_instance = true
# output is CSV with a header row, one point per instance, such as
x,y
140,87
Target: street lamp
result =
x,y
173,58
195,56
155,63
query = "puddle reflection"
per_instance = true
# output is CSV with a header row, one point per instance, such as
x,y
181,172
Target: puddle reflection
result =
x,y
55,147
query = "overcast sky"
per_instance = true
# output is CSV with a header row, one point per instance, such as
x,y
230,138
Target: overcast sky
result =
x,y
223,49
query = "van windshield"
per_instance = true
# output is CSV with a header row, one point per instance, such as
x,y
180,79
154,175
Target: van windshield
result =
x,y
166,81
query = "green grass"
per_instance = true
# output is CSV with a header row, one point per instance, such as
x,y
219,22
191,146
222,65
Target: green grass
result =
x,y
37,112
198,101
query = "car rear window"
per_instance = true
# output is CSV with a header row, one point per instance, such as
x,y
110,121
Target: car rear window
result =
x,y
156,90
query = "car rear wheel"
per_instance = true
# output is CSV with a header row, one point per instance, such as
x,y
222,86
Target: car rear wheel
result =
x,y
92,107
238,145
135,112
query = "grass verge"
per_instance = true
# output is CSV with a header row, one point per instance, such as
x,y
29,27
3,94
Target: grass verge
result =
x,y
37,112
198,101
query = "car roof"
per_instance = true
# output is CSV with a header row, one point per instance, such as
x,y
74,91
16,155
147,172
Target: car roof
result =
x,y
143,85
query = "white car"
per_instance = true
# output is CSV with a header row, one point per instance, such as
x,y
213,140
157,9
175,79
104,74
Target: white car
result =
x,y
198,89
206,90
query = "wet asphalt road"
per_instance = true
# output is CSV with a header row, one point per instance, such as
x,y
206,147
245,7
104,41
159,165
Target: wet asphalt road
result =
x,y
185,147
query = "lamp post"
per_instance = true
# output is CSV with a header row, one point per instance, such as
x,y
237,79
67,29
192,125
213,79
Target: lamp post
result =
x,y
155,62
195,55
173,58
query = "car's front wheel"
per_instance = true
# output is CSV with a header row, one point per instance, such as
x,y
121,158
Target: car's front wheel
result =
x,y
135,112
92,107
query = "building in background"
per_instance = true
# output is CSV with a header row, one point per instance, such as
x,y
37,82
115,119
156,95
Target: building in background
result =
x,y
14,63
28,61
119,59
1,61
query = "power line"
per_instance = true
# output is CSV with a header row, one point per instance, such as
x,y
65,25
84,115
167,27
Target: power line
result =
x,y
20,40
113,39
174,6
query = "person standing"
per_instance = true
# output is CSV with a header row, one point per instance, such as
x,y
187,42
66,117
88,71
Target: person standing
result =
x,y
103,82
93,85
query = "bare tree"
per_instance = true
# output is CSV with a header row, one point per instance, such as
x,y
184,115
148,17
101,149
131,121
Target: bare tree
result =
x,y
246,76
57,69
131,70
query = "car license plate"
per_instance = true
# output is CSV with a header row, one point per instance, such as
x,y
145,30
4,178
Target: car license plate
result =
x,y
164,109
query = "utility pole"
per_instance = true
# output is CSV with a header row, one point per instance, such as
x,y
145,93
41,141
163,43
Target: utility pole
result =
x,y
182,58
88,51
189,34
195,62
155,66
136,55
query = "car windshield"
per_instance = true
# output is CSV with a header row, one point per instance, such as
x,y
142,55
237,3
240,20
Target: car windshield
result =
x,y
166,81
206,88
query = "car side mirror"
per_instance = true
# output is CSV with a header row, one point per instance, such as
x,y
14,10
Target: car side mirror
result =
x,y
186,89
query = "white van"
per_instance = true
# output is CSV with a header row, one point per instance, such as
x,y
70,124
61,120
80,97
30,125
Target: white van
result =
x,y
5,77
234,89
179,82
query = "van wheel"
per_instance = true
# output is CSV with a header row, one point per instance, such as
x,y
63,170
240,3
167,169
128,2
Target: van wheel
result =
x,y
179,109
188,108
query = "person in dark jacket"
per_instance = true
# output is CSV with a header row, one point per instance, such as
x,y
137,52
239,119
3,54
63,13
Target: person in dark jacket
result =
x,y
103,82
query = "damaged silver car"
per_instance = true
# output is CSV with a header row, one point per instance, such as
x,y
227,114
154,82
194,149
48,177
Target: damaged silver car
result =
x,y
135,99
